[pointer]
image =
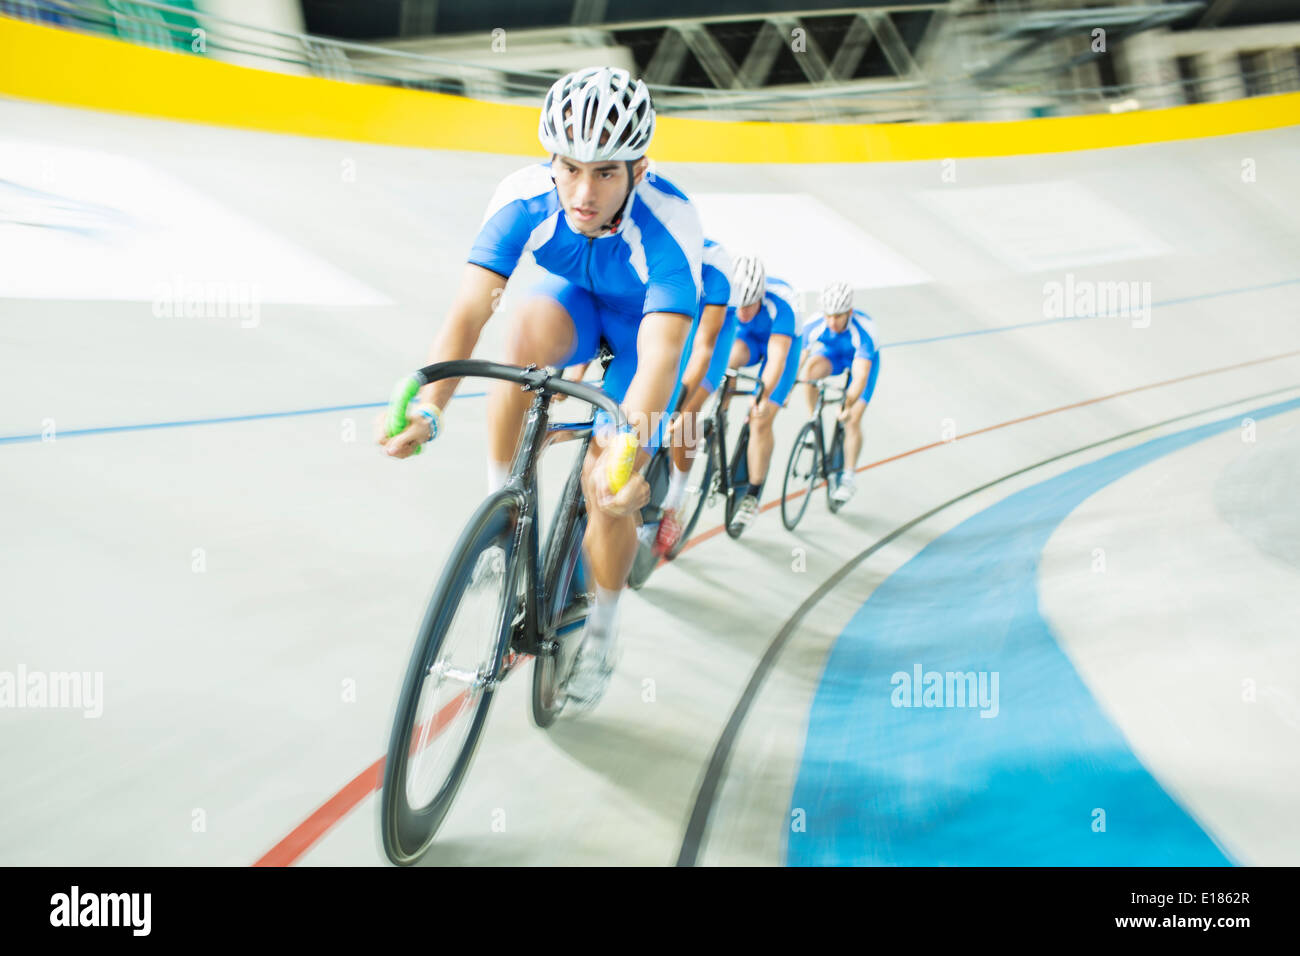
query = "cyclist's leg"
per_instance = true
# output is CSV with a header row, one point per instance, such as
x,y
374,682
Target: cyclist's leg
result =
x,y
750,355
690,431
853,428
555,325
761,438
744,353
661,420
747,355
816,365
611,540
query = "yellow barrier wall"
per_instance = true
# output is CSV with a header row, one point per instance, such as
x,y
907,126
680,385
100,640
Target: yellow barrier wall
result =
x,y
59,66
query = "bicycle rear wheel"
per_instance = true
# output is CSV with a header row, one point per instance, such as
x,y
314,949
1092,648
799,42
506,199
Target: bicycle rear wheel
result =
x,y
458,658
801,473
834,465
737,479
699,485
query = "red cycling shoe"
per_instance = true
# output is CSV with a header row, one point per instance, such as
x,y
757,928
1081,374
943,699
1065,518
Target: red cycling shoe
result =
x,y
669,532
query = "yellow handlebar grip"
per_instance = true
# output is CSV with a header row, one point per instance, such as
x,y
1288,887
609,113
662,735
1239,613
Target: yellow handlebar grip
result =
x,y
622,458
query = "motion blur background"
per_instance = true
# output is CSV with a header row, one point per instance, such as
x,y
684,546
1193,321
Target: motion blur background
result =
x,y
752,59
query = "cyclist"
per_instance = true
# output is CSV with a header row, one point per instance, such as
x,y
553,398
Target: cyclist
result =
x,y
767,335
838,338
709,355
622,249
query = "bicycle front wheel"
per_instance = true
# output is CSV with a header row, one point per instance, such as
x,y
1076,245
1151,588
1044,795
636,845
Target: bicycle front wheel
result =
x,y
458,658
800,474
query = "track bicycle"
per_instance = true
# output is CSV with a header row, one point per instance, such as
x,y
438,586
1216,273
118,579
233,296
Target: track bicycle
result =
x,y
710,463
810,459
501,598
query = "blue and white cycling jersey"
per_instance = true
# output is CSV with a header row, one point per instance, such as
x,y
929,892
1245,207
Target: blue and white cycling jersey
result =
x,y
857,341
777,314
649,263
717,291
716,275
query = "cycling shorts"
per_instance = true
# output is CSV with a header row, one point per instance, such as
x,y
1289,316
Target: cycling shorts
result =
x,y
758,356
593,321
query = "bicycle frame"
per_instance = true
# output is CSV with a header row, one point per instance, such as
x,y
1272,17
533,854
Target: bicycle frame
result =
x,y
532,634
727,392
823,386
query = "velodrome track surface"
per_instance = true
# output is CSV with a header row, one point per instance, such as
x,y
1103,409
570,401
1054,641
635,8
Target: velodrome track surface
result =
x,y
1137,594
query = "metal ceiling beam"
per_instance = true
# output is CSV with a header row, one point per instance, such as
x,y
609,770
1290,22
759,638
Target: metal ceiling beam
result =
x,y
812,61
587,12
852,49
891,44
761,56
666,62
1219,9
715,60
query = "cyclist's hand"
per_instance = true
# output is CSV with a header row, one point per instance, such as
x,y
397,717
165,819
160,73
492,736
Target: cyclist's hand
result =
x,y
632,497
843,416
405,442
757,409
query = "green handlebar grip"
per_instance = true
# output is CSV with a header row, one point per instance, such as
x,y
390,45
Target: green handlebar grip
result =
x,y
403,392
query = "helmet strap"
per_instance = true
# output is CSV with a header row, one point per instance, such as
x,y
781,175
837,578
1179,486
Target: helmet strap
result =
x,y
614,223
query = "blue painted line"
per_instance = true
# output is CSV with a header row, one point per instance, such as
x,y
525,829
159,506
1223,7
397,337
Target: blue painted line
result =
x,y
1079,318
147,426
13,439
925,786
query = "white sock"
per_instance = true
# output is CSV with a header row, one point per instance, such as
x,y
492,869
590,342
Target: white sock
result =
x,y
497,473
601,617
676,489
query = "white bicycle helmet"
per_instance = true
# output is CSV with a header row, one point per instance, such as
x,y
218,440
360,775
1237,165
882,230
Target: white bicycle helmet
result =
x,y
837,297
595,114
748,281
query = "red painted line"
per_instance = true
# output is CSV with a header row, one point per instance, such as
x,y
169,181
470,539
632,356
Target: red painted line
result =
x,y
712,532
333,810
307,833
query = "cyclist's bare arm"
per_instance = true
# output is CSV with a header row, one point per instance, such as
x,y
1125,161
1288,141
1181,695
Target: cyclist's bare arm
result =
x,y
778,350
861,370
659,344
706,337
476,300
